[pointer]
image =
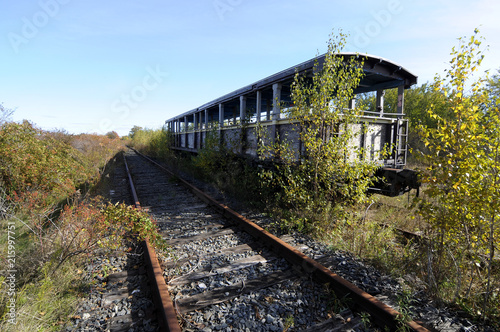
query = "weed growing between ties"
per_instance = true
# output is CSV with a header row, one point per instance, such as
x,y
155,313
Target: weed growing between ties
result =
x,y
50,224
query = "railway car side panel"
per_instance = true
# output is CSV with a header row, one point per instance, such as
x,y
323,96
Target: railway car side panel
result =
x,y
251,140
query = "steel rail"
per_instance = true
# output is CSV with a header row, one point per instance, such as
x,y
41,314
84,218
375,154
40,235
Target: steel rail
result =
x,y
167,317
382,314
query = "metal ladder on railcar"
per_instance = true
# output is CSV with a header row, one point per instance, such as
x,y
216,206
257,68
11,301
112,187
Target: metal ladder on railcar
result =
x,y
401,141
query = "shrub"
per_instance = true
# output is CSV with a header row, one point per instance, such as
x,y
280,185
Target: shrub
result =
x,y
154,143
31,160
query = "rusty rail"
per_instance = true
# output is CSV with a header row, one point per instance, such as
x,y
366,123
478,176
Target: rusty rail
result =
x,y
167,318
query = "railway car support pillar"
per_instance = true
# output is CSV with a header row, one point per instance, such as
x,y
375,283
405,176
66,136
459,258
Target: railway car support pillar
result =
x,y
401,101
380,102
177,132
276,111
258,105
243,108
200,127
221,115
186,138
221,123
277,100
195,130
174,130
352,103
173,133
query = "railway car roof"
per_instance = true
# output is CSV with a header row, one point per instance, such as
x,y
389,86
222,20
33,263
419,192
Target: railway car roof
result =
x,y
380,74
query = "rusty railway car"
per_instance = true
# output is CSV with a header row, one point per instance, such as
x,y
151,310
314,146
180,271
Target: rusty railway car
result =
x,y
261,104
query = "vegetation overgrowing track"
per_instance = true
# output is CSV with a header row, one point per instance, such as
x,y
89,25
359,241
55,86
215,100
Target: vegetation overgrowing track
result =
x,y
225,272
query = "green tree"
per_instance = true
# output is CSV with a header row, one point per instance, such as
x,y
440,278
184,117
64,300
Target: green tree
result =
x,y
462,182
134,130
328,170
112,135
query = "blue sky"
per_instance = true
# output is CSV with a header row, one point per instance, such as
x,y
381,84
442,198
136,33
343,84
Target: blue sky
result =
x,y
96,66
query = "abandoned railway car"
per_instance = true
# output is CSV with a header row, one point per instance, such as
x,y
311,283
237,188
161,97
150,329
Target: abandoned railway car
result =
x,y
261,104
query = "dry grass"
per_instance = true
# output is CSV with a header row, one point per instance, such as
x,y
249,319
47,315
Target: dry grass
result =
x,y
398,212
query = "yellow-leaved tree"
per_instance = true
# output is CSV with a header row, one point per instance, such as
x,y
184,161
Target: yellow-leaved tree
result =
x,y
461,199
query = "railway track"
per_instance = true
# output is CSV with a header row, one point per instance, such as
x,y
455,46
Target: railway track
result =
x,y
227,273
